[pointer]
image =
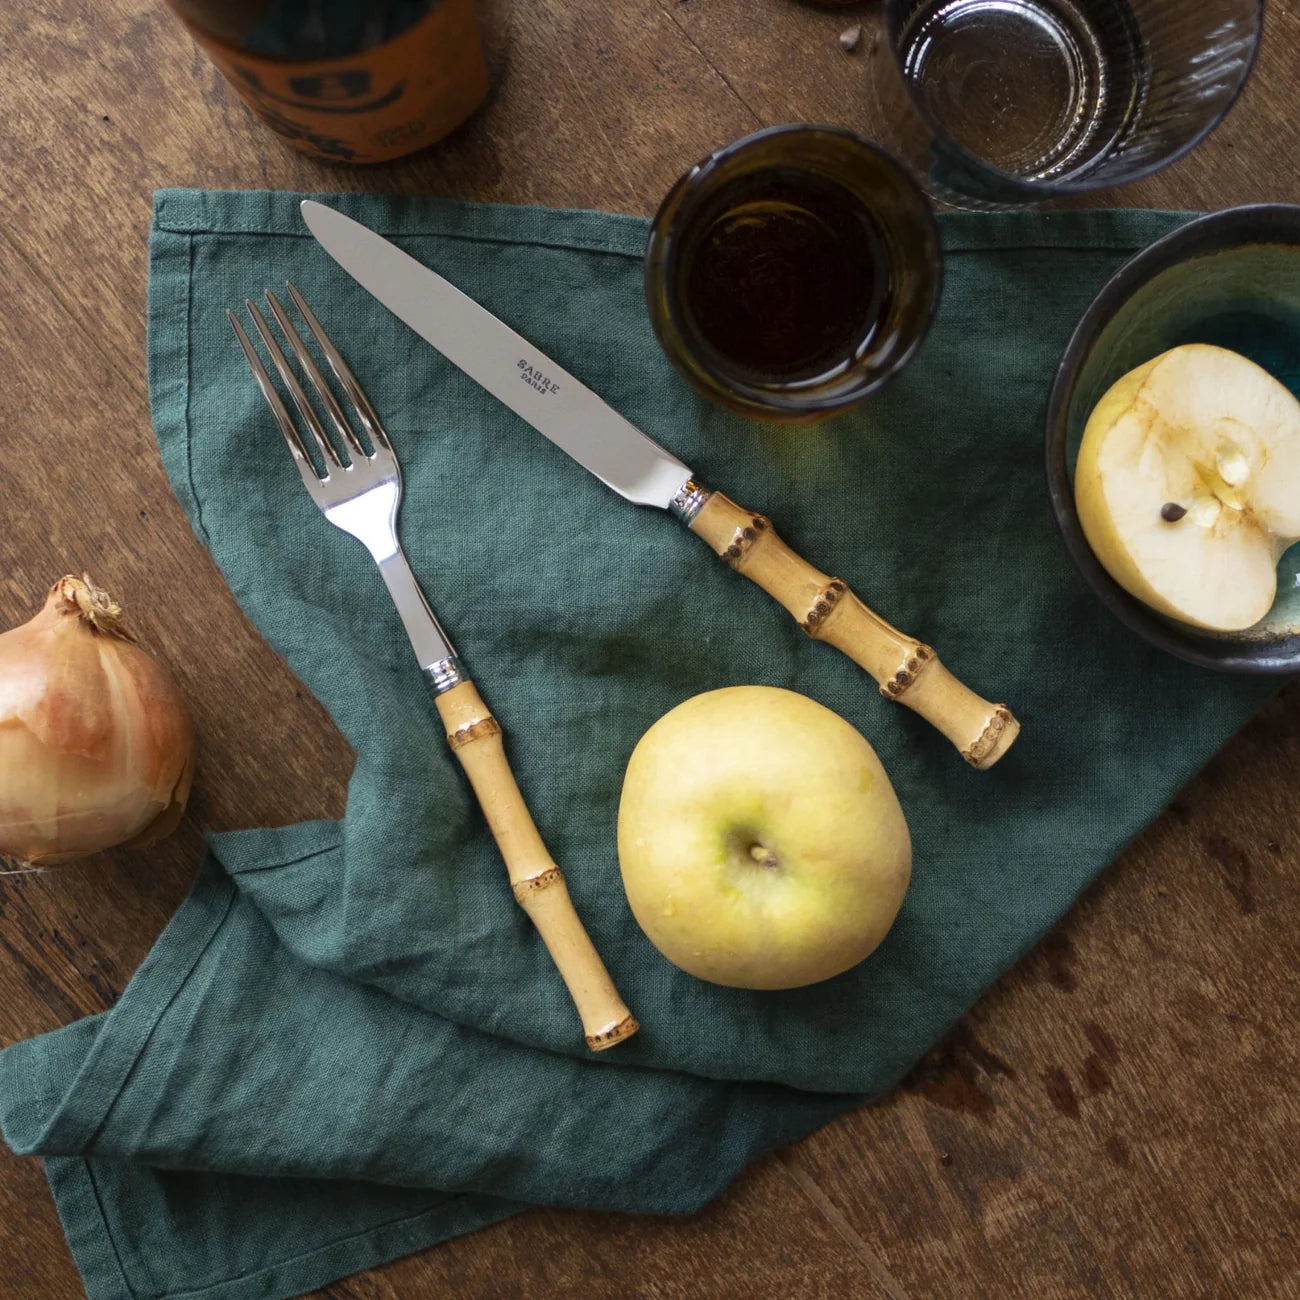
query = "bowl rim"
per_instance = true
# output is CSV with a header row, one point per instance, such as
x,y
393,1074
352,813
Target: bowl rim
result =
x,y
1257,223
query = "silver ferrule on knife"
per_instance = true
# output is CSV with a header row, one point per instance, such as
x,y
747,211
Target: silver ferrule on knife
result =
x,y
443,675
689,501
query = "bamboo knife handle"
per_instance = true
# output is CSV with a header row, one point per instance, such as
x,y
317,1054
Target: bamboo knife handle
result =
x,y
827,610
475,738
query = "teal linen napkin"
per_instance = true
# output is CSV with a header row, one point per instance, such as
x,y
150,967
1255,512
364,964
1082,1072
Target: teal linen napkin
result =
x,y
349,1043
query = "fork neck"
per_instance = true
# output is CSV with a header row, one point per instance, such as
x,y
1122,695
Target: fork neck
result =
x,y
432,646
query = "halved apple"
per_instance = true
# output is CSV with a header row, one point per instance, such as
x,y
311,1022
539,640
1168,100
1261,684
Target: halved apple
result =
x,y
1188,485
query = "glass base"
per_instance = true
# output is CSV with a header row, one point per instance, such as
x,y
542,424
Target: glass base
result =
x,y
1037,89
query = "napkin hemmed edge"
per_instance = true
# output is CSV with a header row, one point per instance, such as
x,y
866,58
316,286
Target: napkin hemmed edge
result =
x,y
80,1111
91,1242
189,212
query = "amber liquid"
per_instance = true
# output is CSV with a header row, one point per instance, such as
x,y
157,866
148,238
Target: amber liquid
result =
x,y
788,278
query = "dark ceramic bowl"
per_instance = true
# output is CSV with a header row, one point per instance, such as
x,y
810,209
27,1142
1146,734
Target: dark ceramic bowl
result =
x,y
1232,279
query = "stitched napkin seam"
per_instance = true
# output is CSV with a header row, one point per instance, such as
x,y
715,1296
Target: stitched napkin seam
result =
x,y
274,213
104,1273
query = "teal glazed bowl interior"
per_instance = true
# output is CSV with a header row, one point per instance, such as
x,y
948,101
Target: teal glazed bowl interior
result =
x,y
1231,279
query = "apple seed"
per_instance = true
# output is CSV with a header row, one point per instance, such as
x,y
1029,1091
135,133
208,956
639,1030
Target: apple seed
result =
x,y
1171,512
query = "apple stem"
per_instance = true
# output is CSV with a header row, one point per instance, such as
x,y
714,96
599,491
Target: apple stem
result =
x,y
763,856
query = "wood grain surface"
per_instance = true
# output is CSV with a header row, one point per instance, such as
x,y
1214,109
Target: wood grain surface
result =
x,y
1118,1117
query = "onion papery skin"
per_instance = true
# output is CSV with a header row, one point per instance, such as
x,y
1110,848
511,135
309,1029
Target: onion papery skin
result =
x,y
96,741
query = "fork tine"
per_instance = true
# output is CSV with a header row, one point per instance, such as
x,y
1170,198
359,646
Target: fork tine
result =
x,y
282,417
305,408
314,376
365,412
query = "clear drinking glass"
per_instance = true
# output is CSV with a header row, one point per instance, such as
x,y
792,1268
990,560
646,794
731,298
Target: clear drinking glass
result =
x,y
997,103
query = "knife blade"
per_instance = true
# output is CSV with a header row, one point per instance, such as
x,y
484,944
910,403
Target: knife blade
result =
x,y
563,409
505,363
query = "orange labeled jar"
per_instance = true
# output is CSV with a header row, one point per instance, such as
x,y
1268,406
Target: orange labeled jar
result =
x,y
357,81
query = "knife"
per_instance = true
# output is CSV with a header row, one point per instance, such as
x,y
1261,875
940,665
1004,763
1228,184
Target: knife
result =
x,y
613,449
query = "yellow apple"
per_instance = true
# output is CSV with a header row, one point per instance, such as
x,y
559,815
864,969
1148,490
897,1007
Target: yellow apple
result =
x,y
761,843
1188,485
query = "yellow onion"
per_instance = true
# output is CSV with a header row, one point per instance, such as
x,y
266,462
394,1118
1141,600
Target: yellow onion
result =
x,y
96,744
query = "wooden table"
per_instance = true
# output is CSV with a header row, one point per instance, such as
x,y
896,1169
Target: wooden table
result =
x,y
1116,1118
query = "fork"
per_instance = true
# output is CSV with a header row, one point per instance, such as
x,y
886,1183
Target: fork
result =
x,y
360,492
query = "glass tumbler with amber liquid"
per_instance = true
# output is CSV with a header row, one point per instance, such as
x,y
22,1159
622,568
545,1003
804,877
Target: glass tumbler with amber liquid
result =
x,y
793,272
357,81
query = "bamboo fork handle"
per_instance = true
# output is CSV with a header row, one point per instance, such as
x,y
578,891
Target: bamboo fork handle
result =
x,y
475,738
827,610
